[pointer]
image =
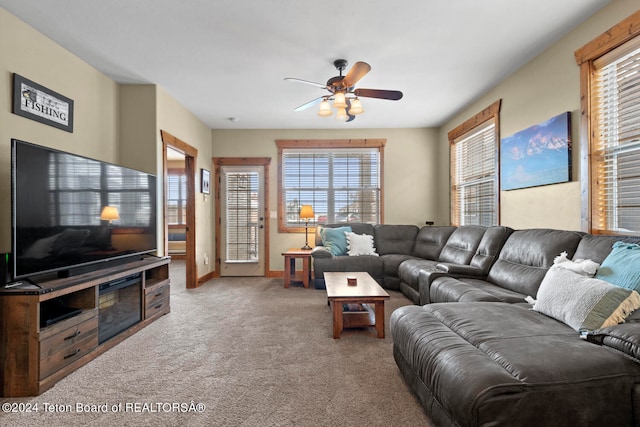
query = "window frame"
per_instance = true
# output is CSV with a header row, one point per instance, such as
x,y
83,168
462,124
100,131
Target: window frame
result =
x,y
586,57
475,123
324,144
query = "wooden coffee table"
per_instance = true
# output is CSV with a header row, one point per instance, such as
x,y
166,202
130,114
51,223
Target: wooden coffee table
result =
x,y
358,300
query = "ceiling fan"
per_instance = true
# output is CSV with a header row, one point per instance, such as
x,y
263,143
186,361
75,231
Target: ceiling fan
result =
x,y
343,92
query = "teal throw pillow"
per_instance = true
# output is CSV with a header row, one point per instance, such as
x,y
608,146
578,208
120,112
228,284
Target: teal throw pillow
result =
x,y
335,240
622,266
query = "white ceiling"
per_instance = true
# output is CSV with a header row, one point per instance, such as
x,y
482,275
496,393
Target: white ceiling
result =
x,y
229,58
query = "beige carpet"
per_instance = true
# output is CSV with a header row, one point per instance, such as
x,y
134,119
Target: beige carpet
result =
x,y
238,352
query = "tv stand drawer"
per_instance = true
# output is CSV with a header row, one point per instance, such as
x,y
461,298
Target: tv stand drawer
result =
x,y
156,300
68,345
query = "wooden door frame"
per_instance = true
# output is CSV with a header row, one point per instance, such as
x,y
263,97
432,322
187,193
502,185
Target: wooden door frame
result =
x,y
218,163
190,161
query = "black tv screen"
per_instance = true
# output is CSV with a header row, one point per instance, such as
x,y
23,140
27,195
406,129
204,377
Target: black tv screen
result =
x,y
70,211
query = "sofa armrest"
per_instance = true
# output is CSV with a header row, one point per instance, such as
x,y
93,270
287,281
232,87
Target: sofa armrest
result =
x,y
460,270
321,252
425,277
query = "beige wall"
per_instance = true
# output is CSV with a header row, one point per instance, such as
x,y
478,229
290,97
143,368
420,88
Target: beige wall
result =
x,y
145,110
410,172
138,123
172,117
28,53
545,87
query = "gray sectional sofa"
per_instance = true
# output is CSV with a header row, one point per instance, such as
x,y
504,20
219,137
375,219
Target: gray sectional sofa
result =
x,y
474,352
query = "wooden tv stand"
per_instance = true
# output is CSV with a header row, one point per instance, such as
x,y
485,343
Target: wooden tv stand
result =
x,y
34,357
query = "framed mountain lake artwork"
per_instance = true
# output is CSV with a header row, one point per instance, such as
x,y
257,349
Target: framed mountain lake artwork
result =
x,y
539,155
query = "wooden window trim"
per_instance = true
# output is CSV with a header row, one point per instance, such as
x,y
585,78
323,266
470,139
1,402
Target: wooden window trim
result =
x,y
325,143
490,113
611,39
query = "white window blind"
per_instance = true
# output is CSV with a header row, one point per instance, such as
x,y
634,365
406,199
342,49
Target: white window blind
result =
x,y
616,147
241,217
342,185
473,169
176,197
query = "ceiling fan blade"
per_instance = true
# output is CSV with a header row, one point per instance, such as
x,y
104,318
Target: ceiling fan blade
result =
x,y
309,104
358,71
320,85
393,95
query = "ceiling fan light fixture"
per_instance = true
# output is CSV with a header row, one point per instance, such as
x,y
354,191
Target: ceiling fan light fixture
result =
x,y
344,96
339,100
325,109
356,107
341,114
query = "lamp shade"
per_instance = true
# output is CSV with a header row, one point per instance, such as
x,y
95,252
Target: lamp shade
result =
x,y
341,114
109,213
306,212
339,100
356,107
325,109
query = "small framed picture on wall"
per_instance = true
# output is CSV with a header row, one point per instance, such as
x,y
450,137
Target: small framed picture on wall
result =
x,y
205,184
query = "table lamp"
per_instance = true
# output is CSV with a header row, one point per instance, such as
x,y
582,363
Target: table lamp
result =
x,y
109,213
306,212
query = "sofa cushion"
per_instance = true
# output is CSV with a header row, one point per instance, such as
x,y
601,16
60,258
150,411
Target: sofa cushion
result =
x,y
598,247
430,241
450,289
360,244
489,248
527,255
335,240
371,264
622,266
395,239
584,303
462,244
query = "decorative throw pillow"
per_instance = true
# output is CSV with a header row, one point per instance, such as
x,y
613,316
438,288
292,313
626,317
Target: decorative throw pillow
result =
x,y
41,248
335,240
360,244
622,266
584,303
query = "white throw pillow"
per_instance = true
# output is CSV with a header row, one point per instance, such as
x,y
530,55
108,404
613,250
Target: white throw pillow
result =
x,y
41,248
360,244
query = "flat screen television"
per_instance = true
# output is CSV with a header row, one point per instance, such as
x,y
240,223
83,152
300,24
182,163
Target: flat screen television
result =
x,y
72,213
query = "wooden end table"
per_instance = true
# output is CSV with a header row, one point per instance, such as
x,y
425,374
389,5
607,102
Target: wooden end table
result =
x,y
365,294
290,273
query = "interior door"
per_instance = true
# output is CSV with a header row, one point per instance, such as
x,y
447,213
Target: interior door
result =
x,y
242,231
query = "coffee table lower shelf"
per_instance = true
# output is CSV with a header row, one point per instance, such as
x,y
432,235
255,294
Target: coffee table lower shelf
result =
x,y
357,306
358,316
371,315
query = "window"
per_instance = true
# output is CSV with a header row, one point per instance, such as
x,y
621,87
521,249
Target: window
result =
x,y
474,180
341,180
176,197
610,86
